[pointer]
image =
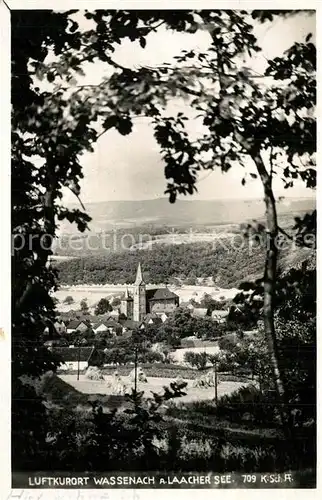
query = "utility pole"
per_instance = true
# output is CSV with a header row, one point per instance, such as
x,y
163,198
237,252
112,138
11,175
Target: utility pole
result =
x,y
78,359
216,384
135,368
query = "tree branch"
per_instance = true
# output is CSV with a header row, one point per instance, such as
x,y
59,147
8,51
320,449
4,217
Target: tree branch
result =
x,y
271,164
290,237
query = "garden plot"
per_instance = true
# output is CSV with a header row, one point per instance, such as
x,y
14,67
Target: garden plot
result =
x,y
154,384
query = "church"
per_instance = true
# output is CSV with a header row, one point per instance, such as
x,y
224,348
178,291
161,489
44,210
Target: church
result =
x,y
143,301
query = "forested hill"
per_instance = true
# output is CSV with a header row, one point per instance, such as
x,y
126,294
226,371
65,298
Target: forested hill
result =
x,y
228,266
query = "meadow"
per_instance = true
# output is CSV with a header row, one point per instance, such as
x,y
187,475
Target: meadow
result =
x,y
154,384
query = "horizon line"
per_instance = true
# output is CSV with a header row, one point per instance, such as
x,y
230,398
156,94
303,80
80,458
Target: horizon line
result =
x,y
285,198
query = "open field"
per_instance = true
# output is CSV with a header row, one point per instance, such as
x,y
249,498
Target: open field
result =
x,y
93,293
154,384
174,238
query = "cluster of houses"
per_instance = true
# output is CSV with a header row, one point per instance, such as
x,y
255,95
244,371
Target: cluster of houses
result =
x,y
104,323
138,309
116,325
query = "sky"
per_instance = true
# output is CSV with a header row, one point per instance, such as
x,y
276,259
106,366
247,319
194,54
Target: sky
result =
x,y
130,167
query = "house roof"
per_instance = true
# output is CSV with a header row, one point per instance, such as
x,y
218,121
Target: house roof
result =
x,y
74,323
109,323
161,294
68,354
130,324
154,317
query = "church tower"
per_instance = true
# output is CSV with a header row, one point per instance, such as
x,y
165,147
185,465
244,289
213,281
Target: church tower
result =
x,y
127,305
139,297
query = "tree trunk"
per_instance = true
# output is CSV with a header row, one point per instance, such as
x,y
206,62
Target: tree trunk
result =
x,y
253,149
270,285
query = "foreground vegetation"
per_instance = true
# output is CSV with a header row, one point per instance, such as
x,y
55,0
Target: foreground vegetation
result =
x,y
136,434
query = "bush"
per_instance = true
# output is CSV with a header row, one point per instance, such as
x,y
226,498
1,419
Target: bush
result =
x,y
247,403
68,300
197,359
150,357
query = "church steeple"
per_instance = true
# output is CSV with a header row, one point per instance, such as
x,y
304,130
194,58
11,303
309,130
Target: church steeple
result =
x,y
139,277
139,297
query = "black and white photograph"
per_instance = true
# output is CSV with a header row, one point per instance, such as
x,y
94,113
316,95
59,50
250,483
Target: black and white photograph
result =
x,y
163,247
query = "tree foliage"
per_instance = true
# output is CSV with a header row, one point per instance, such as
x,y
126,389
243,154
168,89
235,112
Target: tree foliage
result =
x,y
267,119
68,300
103,306
84,307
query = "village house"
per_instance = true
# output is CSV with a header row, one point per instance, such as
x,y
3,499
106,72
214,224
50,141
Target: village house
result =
x,y
129,325
164,316
77,325
60,327
151,319
107,325
72,357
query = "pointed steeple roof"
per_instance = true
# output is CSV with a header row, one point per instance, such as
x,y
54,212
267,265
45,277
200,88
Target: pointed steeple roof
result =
x,y
139,277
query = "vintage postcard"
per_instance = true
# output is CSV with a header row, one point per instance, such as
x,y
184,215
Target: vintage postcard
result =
x,y
160,331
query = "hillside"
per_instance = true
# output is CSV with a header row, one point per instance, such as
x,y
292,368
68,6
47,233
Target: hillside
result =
x,y
188,240
228,266
117,214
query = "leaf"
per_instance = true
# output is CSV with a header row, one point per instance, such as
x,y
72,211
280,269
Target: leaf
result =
x,y
243,181
110,122
142,41
50,77
124,126
254,176
74,26
308,38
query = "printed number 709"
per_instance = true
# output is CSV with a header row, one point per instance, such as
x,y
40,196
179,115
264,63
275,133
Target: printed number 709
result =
x,y
249,478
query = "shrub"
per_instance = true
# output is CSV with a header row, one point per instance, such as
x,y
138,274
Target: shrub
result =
x,y
68,300
195,448
197,359
151,356
247,403
245,459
